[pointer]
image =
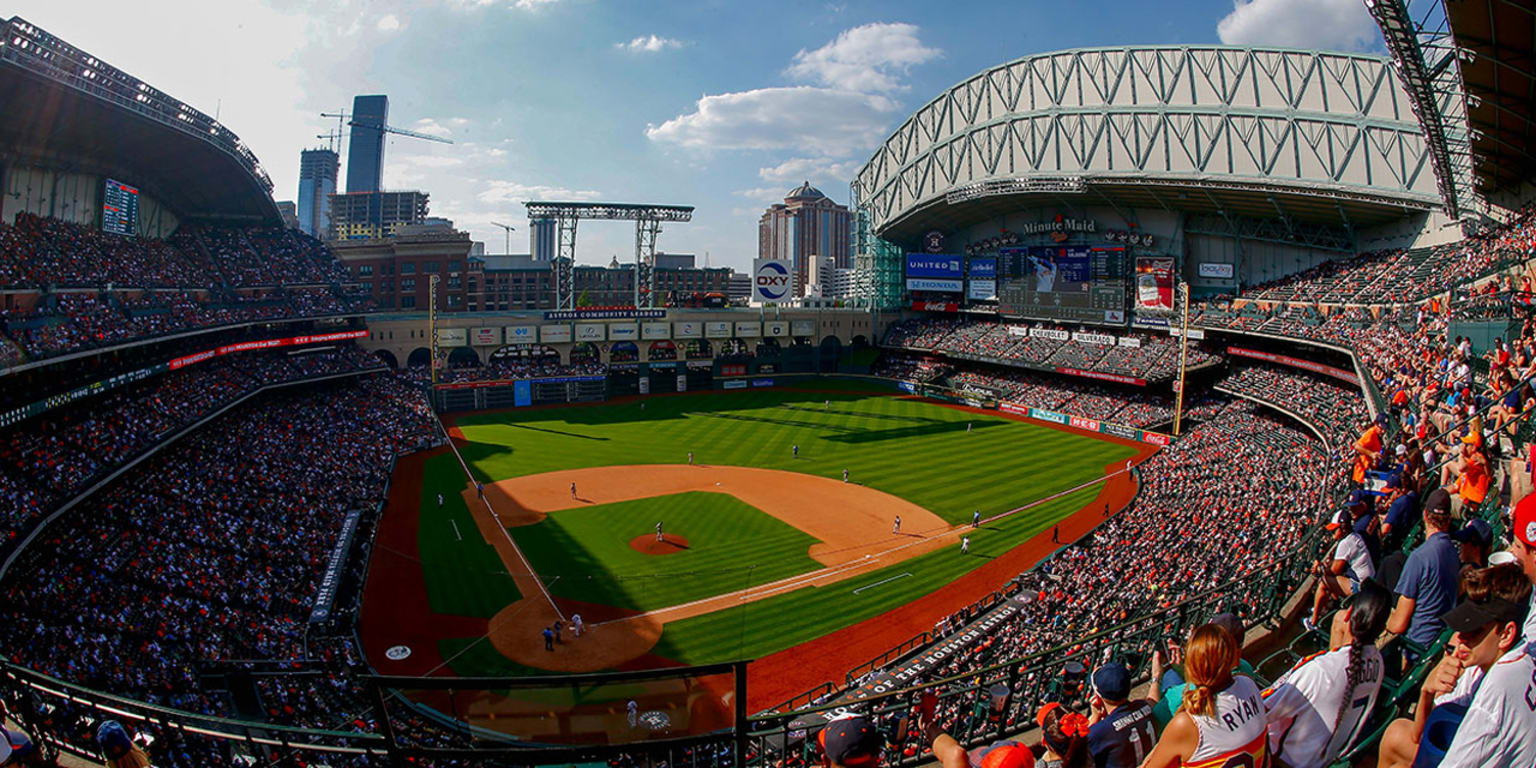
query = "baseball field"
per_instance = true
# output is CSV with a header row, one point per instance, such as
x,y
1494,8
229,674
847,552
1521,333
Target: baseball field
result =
x,y
764,545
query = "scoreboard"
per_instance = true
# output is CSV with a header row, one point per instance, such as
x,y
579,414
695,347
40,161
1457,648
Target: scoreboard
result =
x,y
1076,283
119,208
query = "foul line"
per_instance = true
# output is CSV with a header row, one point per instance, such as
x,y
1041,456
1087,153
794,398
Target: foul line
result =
x,y
527,566
878,583
456,534
752,594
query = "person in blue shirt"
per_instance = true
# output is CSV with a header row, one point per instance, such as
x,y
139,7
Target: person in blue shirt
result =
x,y
1402,508
1427,588
1120,732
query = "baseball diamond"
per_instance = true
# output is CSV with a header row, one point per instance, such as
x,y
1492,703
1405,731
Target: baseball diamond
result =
x,y
779,550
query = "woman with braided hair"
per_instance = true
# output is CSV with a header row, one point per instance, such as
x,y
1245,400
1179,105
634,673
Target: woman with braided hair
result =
x,y
1064,734
1318,708
1222,722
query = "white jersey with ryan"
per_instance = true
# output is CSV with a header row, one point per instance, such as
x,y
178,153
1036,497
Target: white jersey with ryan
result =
x,y
1499,730
1304,704
1237,729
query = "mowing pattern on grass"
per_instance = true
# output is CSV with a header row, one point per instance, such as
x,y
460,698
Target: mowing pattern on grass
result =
x,y
464,574
754,630
584,553
916,450
950,461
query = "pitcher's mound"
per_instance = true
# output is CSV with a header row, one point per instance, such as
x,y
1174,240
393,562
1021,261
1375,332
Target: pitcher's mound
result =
x,y
670,544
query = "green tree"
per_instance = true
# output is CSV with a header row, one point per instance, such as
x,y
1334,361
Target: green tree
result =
x,y
584,299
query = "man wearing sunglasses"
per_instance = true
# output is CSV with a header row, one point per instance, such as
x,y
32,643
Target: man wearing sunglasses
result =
x,y
1487,631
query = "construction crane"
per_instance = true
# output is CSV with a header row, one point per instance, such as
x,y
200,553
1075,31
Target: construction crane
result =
x,y
340,116
508,228
333,138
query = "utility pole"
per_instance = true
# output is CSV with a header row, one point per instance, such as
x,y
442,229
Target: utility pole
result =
x,y
1178,407
432,323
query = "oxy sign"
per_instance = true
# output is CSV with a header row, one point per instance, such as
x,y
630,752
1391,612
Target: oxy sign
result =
x,y
770,280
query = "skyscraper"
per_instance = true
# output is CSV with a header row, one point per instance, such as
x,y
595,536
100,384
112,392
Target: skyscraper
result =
x,y
365,158
317,182
541,240
806,224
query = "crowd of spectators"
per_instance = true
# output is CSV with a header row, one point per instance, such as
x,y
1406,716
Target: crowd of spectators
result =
x,y
1138,355
1335,408
1399,276
51,458
509,369
209,556
97,289
1049,392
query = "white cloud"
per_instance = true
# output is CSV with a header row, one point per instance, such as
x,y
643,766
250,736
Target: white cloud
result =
x,y
1324,24
649,44
389,23
764,194
869,58
534,5
511,192
798,169
823,121
432,127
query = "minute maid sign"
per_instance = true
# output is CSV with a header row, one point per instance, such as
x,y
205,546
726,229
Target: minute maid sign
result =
x,y
770,280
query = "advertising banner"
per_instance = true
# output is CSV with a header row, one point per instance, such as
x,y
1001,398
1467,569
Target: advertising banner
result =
x,y
1216,271
749,330
1102,376
1049,333
604,313
1296,362
1018,330
762,382
522,334
934,272
682,382
485,337
655,331
591,331
735,384
803,327
1154,283
623,332
771,280
776,328
1130,341
981,290
717,329
452,337
522,393
1092,425
554,334
1194,333
1100,339
325,595
688,330
935,306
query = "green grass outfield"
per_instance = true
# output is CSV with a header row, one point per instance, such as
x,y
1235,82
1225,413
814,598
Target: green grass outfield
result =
x,y
584,553
916,450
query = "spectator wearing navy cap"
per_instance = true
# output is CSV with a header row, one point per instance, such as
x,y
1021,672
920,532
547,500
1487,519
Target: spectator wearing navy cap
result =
x,y
118,748
1120,732
1402,507
1476,540
852,742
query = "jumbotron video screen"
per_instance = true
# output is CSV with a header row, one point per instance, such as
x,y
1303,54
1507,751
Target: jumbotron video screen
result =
x,y
1078,283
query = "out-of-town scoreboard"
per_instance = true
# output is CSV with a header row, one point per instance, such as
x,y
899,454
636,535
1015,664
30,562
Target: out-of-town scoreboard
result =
x,y
119,208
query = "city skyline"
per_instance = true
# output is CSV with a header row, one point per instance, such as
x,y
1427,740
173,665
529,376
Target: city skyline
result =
x,y
697,103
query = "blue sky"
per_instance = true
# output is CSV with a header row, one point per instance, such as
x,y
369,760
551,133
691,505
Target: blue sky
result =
x,y
720,105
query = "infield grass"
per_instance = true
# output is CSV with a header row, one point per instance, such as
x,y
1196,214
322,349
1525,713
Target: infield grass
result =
x,y
947,460
584,553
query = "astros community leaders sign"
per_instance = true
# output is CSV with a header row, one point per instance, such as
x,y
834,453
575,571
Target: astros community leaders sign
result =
x,y
770,280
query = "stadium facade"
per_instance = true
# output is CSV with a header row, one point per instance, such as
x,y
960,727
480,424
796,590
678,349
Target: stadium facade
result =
x,y
1241,164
